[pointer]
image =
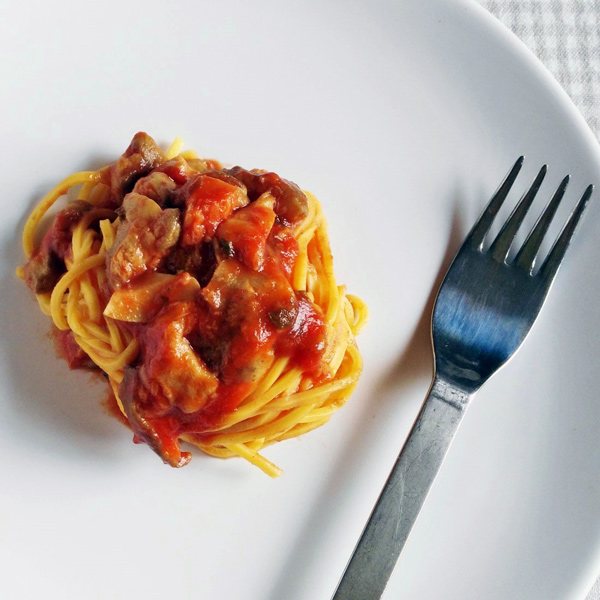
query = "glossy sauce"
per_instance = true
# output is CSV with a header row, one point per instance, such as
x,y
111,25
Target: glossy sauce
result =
x,y
217,307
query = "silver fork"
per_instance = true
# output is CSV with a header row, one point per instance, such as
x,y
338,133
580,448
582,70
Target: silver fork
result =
x,y
483,312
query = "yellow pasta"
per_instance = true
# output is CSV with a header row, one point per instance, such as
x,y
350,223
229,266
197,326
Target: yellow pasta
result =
x,y
281,398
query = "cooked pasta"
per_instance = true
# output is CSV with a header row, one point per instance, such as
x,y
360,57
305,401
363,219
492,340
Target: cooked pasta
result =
x,y
206,295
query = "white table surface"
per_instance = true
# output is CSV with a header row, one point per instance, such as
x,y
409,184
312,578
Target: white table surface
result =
x,y
565,36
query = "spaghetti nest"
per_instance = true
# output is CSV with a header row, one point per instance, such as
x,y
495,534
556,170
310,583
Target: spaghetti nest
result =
x,y
206,295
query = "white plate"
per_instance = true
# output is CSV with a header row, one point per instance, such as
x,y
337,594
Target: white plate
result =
x,y
402,117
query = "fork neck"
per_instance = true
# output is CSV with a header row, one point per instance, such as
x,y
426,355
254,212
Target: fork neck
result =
x,y
450,393
461,371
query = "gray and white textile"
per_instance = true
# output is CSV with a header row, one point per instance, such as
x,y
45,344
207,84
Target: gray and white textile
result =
x,y
565,36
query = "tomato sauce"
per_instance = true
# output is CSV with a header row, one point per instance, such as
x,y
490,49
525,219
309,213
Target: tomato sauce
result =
x,y
204,347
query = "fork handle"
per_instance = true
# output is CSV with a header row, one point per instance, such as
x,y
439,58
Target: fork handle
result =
x,y
400,501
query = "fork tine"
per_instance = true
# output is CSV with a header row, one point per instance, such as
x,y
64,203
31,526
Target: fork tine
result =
x,y
484,223
528,252
557,252
501,245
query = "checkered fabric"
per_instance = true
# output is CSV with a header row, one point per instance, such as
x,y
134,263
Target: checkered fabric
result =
x,y
565,36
